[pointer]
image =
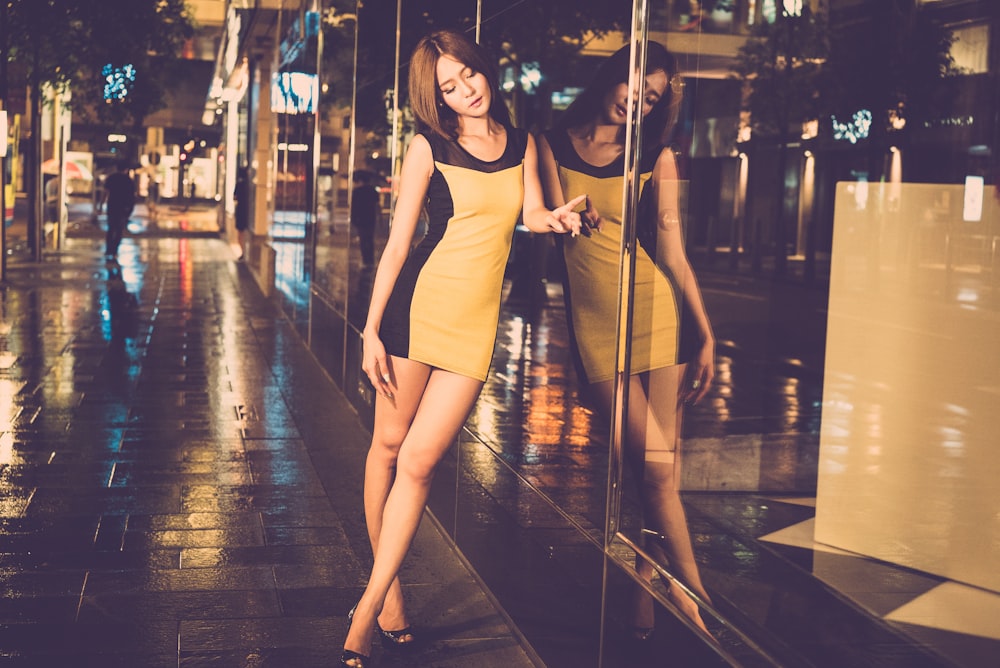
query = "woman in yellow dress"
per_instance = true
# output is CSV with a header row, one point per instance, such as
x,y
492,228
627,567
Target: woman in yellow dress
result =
x,y
586,153
432,320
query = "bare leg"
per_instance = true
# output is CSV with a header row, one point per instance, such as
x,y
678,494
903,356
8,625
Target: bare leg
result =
x,y
651,448
392,420
661,482
439,405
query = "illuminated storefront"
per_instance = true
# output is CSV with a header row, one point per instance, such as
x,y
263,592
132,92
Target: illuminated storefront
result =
x,y
873,440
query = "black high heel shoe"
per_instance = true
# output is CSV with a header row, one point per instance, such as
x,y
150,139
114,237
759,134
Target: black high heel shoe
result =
x,y
391,639
639,634
396,639
353,659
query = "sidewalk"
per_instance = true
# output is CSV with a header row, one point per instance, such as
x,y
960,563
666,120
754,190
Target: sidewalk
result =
x,y
181,483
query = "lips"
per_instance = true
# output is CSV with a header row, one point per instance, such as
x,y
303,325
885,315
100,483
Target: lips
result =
x,y
475,104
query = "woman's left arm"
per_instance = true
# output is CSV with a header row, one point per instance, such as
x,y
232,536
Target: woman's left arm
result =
x,y
537,217
670,253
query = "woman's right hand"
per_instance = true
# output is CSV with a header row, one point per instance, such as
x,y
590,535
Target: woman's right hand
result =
x,y
375,363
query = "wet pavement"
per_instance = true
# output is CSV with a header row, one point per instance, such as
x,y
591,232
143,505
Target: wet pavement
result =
x,y
180,482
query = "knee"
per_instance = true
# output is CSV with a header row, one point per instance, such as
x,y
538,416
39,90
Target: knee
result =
x,y
383,454
385,446
661,481
416,468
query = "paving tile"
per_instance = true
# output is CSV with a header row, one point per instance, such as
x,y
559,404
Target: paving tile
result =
x,y
170,495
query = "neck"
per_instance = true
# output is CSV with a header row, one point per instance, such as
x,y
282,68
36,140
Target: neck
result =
x,y
600,133
478,127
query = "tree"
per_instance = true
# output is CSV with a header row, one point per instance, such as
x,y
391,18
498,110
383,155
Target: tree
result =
x,y
69,43
338,27
551,33
780,65
896,64
886,58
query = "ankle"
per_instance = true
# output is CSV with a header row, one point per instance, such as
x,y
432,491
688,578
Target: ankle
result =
x,y
360,631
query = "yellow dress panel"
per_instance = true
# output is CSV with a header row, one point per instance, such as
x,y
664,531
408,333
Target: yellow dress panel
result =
x,y
455,307
592,273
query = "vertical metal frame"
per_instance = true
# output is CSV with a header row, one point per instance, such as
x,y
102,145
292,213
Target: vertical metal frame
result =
x,y
626,278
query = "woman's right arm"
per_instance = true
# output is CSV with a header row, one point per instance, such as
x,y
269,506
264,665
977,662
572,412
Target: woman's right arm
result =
x,y
414,179
549,173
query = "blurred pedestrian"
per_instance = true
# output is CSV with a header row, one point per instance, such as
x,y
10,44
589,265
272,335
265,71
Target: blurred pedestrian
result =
x,y
52,198
586,152
364,216
153,195
434,309
119,195
241,198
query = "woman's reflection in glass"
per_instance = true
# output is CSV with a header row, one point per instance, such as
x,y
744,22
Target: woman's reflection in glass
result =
x,y
584,153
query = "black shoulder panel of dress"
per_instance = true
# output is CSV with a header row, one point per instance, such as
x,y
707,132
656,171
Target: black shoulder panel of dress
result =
x,y
451,152
567,157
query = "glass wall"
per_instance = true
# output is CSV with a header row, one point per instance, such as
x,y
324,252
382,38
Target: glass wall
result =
x,y
841,235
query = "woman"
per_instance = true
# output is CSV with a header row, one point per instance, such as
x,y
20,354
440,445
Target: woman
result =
x,y
432,320
585,153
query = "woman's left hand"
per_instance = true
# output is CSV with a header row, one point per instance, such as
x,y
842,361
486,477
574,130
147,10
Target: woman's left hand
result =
x,y
700,373
591,219
563,219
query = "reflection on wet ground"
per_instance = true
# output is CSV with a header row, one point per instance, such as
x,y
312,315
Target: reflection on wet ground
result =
x,y
180,480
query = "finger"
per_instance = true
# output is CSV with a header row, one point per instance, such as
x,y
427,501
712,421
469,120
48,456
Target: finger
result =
x,y
561,221
590,214
375,376
375,380
572,204
384,378
699,387
571,222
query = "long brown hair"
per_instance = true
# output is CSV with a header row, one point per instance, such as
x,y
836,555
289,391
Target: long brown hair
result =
x,y
425,94
614,70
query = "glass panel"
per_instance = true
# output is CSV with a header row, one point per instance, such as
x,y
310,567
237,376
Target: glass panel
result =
x,y
294,95
764,211
337,82
812,190
372,151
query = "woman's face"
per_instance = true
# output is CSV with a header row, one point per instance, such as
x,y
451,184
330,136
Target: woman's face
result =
x,y
616,100
464,90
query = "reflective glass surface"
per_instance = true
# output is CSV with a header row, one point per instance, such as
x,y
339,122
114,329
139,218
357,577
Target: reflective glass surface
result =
x,y
843,246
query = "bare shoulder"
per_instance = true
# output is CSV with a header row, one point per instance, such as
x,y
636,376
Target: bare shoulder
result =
x,y
419,148
419,157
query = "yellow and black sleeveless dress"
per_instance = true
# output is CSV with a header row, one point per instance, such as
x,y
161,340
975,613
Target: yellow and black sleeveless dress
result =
x,y
592,272
445,305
